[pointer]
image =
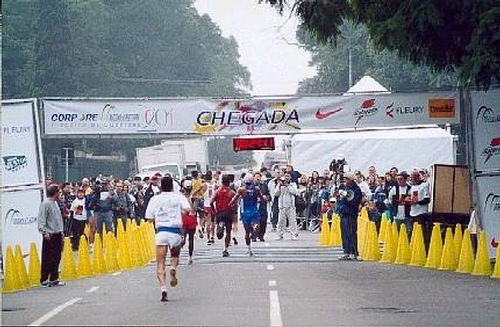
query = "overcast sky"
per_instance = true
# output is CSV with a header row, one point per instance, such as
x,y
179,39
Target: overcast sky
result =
x,y
265,42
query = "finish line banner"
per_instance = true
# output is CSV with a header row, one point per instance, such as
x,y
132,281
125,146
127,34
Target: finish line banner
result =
x,y
248,116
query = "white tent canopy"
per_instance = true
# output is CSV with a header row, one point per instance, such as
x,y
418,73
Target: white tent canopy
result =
x,y
403,148
367,84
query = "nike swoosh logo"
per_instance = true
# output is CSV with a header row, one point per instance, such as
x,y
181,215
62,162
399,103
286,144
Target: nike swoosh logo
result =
x,y
323,115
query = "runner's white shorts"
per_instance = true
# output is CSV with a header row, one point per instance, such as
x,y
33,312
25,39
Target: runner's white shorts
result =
x,y
169,239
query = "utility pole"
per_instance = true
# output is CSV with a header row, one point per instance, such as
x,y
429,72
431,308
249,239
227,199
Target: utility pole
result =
x,y
350,67
66,162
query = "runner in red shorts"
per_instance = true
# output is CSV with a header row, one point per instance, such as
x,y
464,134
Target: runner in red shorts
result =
x,y
189,221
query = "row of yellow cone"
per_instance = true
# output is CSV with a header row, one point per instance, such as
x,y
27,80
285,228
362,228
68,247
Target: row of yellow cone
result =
x,y
132,248
455,255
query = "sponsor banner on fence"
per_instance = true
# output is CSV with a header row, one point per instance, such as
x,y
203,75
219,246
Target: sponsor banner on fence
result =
x,y
249,116
486,128
20,223
20,165
489,203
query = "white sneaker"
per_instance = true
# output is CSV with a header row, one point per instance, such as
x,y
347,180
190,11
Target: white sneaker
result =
x,y
279,238
295,237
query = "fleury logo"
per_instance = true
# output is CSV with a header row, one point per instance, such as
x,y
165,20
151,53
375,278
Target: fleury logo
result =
x,y
491,150
322,115
392,110
15,217
14,163
441,108
367,109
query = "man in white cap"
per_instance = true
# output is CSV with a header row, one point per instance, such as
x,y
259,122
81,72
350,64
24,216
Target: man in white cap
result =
x,y
347,207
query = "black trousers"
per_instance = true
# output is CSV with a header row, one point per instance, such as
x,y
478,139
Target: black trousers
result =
x,y
262,225
275,213
51,257
77,228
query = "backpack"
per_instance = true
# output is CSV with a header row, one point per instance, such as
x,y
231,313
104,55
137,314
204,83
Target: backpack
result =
x,y
222,199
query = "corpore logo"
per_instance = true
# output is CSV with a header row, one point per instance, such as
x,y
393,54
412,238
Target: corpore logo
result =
x,y
493,149
392,110
14,163
367,109
74,117
15,217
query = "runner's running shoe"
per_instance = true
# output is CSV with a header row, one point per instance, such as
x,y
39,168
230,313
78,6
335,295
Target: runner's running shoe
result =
x,y
164,296
235,241
173,278
225,254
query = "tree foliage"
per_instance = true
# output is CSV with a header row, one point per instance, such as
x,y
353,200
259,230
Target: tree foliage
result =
x,y
393,72
446,35
128,48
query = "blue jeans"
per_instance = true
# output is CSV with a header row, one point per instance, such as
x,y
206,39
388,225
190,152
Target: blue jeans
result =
x,y
349,233
105,217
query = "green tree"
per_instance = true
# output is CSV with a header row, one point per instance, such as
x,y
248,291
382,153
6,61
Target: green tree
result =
x,y
385,66
445,35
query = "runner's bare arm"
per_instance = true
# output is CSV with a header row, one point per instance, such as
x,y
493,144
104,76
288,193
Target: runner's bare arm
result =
x,y
235,197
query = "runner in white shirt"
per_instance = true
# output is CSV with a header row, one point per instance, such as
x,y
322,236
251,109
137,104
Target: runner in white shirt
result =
x,y
209,214
166,209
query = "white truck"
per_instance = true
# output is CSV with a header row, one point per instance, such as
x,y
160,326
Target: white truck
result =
x,y
178,157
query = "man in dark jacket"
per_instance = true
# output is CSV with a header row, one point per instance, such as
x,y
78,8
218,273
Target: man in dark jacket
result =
x,y
264,190
348,207
102,203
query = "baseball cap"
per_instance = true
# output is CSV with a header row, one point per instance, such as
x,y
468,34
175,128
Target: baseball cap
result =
x,y
350,176
332,199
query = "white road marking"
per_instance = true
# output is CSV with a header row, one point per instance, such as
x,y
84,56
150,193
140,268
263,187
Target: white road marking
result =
x,y
272,283
275,312
116,273
54,312
270,267
93,289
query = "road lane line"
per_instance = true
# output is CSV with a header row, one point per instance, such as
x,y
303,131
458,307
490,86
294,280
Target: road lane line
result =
x,y
116,273
54,312
275,312
270,267
93,289
272,282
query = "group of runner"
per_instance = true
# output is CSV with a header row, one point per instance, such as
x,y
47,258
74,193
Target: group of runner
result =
x,y
211,205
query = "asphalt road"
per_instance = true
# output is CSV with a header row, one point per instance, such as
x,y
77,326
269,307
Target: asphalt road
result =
x,y
289,283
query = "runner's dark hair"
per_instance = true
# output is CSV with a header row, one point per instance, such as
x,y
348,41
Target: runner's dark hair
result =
x,y
167,184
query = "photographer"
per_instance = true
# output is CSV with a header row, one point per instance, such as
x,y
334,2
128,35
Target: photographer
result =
x,y
102,204
286,192
348,207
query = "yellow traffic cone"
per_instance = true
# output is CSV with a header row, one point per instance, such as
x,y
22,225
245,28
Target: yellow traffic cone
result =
x,y
496,270
412,238
11,282
482,265
21,268
324,231
403,254
98,264
466,260
362,228
123,253
389,255
338,231
457,242
448,258
68,270
34,273
383,227
372,251
435,248
83,268
395,233
418,257
111,261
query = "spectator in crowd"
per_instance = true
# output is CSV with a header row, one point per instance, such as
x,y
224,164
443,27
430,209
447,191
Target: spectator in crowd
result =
x,y
389,183
372,183
424,175
330,210
348,207
266,197
372,171
50,225
102,203
380,186
123,206
363,185
394,172
266,175
272,186
293,173
400,200
376,208
152,189
286,192
79,217
420,199
137,192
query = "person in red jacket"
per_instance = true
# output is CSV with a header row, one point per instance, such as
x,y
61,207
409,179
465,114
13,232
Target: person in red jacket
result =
x,y
223,212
